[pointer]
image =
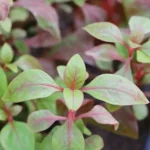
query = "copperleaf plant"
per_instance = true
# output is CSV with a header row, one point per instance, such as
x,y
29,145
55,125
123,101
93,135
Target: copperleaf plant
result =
x,y
110,88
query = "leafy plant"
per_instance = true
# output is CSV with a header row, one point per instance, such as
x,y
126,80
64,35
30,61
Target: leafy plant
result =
x,y
33,84
47,103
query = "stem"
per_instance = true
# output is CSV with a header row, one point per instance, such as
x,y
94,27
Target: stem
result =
x,y
9,116
71,117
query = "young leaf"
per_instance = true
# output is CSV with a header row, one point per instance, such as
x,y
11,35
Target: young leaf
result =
x,y
105,31
75,74
79,2
17,139
100,115
140,111
42,120
73,98
140,22
6,53
30,84
106,87
26,62
64,139
3,83
95,142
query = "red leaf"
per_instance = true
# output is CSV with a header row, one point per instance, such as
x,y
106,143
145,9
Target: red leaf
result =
x,y
91,14
40,9
101,115
78,42
4,9
42,39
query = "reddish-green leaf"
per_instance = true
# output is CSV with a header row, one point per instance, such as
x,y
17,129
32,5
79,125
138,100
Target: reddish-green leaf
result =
x,y
42,120
73,98
75,74
116,90
68,137
29,85
105,31
100,115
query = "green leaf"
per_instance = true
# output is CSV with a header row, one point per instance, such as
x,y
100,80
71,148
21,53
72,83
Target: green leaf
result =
x,y
5,26
42,120
49,102
140,22
142,57
26,62
21,46
6,53
105,31
140,111
75,74
29,85
79,2
95,142
17,139
64,139
3,83
105,87
80,124
47,142
3,116
73,98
